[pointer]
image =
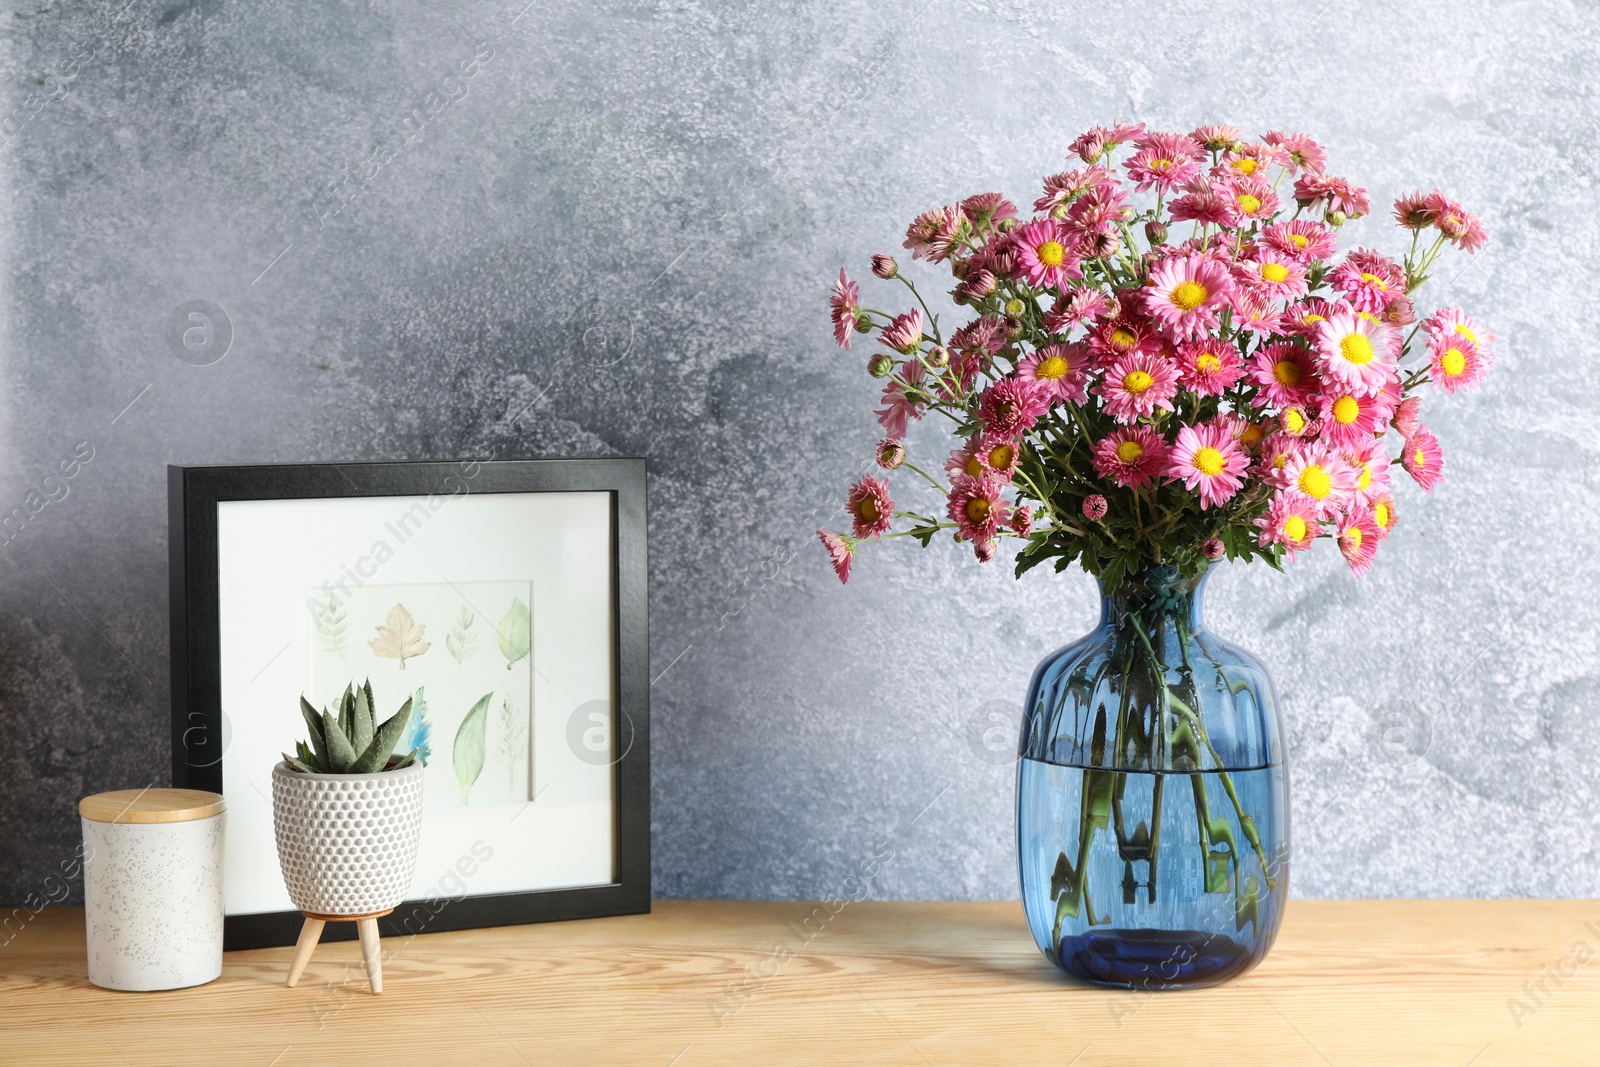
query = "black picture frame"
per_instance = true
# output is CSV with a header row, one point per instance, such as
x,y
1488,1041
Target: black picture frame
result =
x,y
197,737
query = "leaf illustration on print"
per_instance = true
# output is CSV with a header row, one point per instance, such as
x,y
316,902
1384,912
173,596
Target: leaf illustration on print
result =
x,y
515,632
330,629
509,747
462,641
418,734
400,637
467,753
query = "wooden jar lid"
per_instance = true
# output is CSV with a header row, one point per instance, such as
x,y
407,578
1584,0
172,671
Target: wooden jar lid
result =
x,y
151,805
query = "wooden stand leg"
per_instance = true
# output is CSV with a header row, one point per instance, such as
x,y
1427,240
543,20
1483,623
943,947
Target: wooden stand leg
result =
x,y
369,953
310,933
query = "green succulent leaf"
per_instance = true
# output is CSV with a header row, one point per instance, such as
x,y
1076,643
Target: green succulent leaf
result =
x,y
296,764
362,724
314,724
341,753
381,746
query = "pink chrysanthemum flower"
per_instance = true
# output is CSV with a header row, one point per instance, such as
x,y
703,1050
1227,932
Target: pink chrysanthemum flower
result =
x,y
1092,144
933,234
1021,521
965,461
1136,386
904,333
1291,521
1321,475
1094,507
1456,223
986,209
998,455
1350,419
985,550
1333,195
1453,320
1423,459
1058,370
976,508
891,453
841,552
1406,415
1303,152
1062,189
1203,203
1368,280
1075,307
976,285
1357,351
1250,198
1273,454
1302,240
1456,362
1208,366
1161,168
1383,514
1045,254
1092,219
1400,312
1371,465
1301,317
1358,539
1131,457
1413,211
1216,138
1124,335
870,506
884,266
1213,548
844,303
1273,273
1286,374
1207,460
1011,405
1252,158
1255,311
1186,295
903,398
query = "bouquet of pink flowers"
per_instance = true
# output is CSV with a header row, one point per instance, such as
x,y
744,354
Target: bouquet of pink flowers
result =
x,y
1222,387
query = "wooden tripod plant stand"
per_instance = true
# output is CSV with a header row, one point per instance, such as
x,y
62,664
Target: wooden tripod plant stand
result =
x,y
366,925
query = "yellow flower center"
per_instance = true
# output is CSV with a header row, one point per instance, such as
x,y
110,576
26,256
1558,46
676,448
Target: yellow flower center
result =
x,y
1053,368
1312,317
1248,204
1015,307
1186,296
1245,165
1160,166
1122,338
1286,372
1293,421
1051,253
1365,478
1137,381
1355,348
1280,461
1299,240
1205,362
1373,279
1346,410
1353,536
1209,461
1315,483
867,510
1294,528
1419,458
1252,434
1129,451
1453,362
1380,515
1369,316
973,467
1466,331
1274,272
1000,457
977,509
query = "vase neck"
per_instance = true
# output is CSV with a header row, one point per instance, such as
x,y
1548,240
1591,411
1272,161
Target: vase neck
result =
x,y
1151,592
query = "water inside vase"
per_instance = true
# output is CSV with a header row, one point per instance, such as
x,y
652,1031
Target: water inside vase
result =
x,y
1169,891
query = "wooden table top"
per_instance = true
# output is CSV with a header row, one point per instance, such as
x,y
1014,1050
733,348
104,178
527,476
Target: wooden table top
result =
x,y
1357,983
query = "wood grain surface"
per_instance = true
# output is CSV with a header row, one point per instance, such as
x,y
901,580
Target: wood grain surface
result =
x,y
1349,984
151,805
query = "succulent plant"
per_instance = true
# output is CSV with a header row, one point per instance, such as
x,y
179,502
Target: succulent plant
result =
x,y
350,742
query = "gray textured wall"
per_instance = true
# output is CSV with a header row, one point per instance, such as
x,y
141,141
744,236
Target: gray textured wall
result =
x,y
618,241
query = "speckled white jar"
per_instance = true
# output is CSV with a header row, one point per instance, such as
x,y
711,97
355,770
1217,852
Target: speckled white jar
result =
x,y
152,890
347,843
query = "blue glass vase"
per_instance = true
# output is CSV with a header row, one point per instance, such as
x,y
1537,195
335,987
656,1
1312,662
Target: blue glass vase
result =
x,y
1152,797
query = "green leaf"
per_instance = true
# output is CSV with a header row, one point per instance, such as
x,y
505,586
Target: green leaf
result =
x,y
340,752
467,753
362,725
314,724
347,712
296,764
378,750
515,633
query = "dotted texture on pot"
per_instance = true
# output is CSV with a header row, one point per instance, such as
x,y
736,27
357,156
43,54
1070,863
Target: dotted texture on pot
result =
x,y
347,844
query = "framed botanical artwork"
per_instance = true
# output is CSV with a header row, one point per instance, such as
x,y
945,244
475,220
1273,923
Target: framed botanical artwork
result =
x,y
505,599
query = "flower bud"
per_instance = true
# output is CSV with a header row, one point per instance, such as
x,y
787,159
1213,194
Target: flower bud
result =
x,y
884,266
980,283
1335,218
937,356
1015,307
891,453
1155,233
1094,507
1006,225
1013,327
1214,548
863,322
880,366
1022,521
1406,416
984,550
1293,421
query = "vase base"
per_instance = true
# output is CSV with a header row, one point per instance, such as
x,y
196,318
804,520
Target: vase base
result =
x,y
1154,959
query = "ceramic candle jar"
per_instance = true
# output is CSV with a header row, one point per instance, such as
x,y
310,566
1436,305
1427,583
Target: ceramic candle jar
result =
x,y
152,887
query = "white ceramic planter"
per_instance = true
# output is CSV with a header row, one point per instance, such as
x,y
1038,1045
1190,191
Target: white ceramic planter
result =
x,y
152,887
347,843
